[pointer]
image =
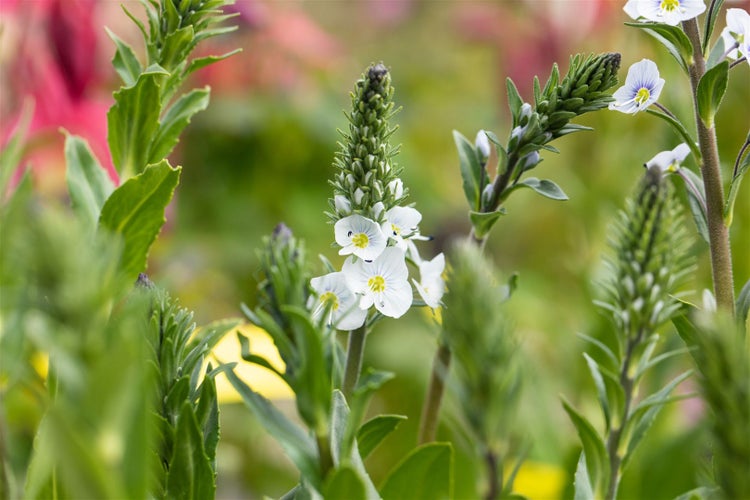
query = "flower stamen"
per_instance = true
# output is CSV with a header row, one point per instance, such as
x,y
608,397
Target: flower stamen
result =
x,y
376,284
360,240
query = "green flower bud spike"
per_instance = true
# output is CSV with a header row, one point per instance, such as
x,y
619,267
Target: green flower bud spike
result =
x,y
366,171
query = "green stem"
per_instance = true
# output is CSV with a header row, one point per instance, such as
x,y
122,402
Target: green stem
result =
x,y
431,408
718,232
354,353
495,486
324,453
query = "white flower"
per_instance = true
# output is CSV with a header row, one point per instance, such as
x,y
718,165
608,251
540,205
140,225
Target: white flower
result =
x,y
431,285
383,282
337,300
359,236
482,143
401,223
671,12
736,35
396,188
669,161
342,204
642,88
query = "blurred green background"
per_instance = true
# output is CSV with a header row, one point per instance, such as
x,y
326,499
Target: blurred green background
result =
x,y
262,154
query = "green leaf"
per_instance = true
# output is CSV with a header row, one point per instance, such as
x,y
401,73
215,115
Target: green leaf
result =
x,y
601,389
12,152
135,211
717,54
125,61
425,474
297,444
583,488
175,120
514,100
742,307
190,474
673,38
133,121
482,222
681,131
344,484
89,185
734,189
202,62
544,187
696,201
593,447
711,91
471,169
372,432
713,13
207,414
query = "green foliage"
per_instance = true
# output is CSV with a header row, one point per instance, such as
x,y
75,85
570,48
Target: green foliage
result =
x,y
372,432
473,173
88,183
673,38
742,165
711,91
425,474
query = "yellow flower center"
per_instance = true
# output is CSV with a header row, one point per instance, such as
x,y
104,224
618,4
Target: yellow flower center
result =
x,y
669,5
360,240
395,229
642,95
330,299
376,284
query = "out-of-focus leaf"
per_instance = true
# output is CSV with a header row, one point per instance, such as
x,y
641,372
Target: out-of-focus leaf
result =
x,y
593,447
734,189
482,222
190,474
207,415
701,493
742,308
514,100
471,169
372,432
89,185
425,474
176,118
710,22
601,389
696,204
544,187
583,487
344,484
711,91
202,62
124,61
135,211
673,38
678,127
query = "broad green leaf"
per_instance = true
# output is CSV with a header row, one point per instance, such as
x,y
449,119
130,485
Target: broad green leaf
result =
x,y
89,186
742,307
471,169
372,432
711,91
593,447
544,187
344,484
190,474
135,211
710,20
298,445
125,61
202,62
175,120
583,488
133,121
696,201
482,222
673,38
425,474
734,189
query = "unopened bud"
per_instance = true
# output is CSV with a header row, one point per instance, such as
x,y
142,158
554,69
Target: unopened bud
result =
x,y
482,143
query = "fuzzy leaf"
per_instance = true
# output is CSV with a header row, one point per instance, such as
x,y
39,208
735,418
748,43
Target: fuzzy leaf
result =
x,y
734,189
125,61
544,187
593,446
89,185
711,91
673,38
135,211
344,484
425,474
372,432
471,169
175,120
190,474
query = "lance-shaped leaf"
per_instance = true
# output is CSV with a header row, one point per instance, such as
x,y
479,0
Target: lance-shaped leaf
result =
x,y
135,211
734,189
89,186
471,169
710,22
696,202
544,187
425,474
711,91
584,490
125,61
133,121
593,447
175,120
673,38
344,484
190,474
202,62
372,432
482,222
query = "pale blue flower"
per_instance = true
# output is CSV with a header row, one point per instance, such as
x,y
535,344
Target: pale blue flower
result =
x,y
669,161
642,88
671,12
359,236
335,299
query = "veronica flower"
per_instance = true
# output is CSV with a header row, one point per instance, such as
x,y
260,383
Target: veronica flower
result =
x,y
642,88
431,286
671,12
669,161
359,236
335,299
382,283
736,35
400,224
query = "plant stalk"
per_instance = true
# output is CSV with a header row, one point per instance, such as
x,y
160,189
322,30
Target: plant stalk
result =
x,y
718,232
354,353
324,454
495,483
431,407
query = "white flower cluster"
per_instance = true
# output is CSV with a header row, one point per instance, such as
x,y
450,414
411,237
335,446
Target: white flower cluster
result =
x,y
376,273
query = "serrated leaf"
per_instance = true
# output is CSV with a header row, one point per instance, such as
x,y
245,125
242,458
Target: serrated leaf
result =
x,y
734,189
190,474
425,474
372,432
544,187
125,61
593,446
711,91
673,38
582,484
135,211
89,186
482,222
344,484
471,169
133,121
176,118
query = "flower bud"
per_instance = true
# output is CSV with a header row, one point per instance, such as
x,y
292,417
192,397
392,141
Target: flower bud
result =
x,y
482,143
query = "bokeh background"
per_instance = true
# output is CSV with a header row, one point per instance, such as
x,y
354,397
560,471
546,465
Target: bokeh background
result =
x,y
262,154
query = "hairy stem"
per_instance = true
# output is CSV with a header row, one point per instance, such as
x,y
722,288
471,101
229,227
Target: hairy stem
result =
x,y
718,232
431,407
354,353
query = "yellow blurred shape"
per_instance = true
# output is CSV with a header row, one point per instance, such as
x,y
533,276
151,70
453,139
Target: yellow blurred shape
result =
x,y
258,378
539,481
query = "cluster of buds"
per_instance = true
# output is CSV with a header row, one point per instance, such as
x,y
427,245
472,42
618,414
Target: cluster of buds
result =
x,y
370,224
